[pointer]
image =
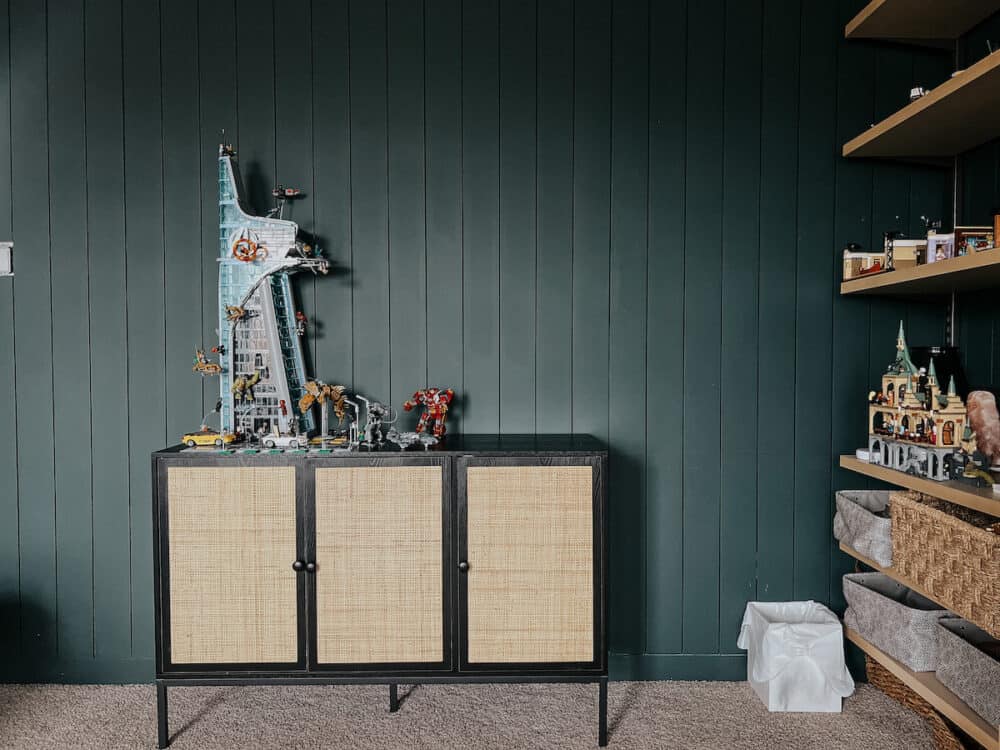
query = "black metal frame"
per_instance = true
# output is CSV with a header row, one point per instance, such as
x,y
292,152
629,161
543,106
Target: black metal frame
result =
x,y
454,668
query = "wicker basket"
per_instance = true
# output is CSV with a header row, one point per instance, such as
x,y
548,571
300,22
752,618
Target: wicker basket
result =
x,y
880,677
898,621
946,550
969,665
857,525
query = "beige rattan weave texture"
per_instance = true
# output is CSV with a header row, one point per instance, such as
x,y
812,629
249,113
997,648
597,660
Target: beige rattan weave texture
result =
x,y
530,578
231,546
946,550
379,564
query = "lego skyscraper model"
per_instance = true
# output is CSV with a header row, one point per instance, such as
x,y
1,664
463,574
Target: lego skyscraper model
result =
x,y
260,353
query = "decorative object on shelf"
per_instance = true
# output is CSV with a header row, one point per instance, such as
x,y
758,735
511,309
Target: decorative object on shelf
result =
x,y
405,439
883,680
969,666
260,353
901,252
900,622
912,425
857,262
326,396
6,258
985,422
435,402
377,417
917,92
862,523
947,552
970,240
940,247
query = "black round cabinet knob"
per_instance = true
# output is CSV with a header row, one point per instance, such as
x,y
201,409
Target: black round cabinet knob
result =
x,y
310,567
298,566
463,566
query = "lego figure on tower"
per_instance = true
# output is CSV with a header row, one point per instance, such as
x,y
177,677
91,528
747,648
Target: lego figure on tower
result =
x,y
435,402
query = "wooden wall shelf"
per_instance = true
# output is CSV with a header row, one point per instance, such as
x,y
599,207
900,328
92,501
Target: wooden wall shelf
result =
x,y
976,271
928,687
924,22
958,115
959,493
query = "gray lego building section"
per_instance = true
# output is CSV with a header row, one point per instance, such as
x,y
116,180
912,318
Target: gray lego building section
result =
x,y
265,340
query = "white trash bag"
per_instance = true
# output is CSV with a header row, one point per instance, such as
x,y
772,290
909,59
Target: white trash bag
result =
x,y
795,656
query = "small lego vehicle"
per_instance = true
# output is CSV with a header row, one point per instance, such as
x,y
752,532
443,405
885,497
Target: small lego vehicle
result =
x,y
285,441
208,437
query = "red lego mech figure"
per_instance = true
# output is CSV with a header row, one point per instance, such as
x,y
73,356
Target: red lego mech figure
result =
x,y
435,402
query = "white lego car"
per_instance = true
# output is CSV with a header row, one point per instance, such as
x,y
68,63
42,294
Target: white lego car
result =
x,y
285,441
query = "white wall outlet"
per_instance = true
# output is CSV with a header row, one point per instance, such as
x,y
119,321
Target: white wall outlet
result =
x,y
6,258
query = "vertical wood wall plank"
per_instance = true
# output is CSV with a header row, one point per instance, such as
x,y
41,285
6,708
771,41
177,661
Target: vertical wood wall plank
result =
x,y
852,216
71,329
333,326
813,510
591,215
144,243
665,329
703,329
9,548
443,49
627,376
776,362
109,341
518,262
33,331
183,205
219,120
741,252
256,81
369,213
293,122
553,400
480,215
408,271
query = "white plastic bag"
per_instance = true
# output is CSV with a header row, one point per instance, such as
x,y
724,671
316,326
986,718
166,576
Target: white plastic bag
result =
x,y
795,656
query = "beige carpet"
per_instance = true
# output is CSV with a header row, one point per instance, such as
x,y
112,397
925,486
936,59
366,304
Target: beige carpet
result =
x,y
688,715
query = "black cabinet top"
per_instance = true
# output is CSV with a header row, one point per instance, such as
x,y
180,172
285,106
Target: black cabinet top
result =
x,y
451,445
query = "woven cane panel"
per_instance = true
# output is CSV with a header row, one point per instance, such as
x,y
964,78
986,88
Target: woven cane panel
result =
x,y
379,564
530,578
231,546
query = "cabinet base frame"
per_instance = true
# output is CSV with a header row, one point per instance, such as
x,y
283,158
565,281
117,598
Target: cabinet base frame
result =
x,y
162,684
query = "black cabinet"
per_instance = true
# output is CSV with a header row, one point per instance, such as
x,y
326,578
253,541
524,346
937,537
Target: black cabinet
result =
x,y
482,561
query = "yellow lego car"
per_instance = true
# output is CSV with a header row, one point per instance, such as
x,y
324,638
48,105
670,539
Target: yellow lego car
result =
x,y
208,437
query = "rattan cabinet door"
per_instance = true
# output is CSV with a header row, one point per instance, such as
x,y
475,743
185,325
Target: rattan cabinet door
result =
x,y
230,543
379,584
527,591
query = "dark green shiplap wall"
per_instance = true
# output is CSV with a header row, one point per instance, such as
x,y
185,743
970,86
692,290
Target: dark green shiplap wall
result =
x,y
610,218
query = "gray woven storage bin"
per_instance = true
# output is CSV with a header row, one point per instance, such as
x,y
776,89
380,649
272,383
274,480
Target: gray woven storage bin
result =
x,y
857,526
895,619
969,666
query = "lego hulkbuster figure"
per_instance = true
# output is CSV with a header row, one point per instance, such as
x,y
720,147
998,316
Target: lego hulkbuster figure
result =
x,y
435,402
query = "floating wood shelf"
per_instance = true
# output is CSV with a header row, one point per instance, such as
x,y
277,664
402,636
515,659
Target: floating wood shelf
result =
x,y
928,687
958,115
924,22
976,271
959,493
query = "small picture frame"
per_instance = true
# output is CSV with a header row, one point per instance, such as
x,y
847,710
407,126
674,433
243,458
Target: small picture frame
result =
x,y
940,247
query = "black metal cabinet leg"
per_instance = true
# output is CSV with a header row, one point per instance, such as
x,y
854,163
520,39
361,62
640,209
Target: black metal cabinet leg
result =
x,y
602,721
393,698
161,714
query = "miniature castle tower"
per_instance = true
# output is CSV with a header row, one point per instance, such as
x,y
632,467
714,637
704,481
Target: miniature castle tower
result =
x,y
910,421
258,340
